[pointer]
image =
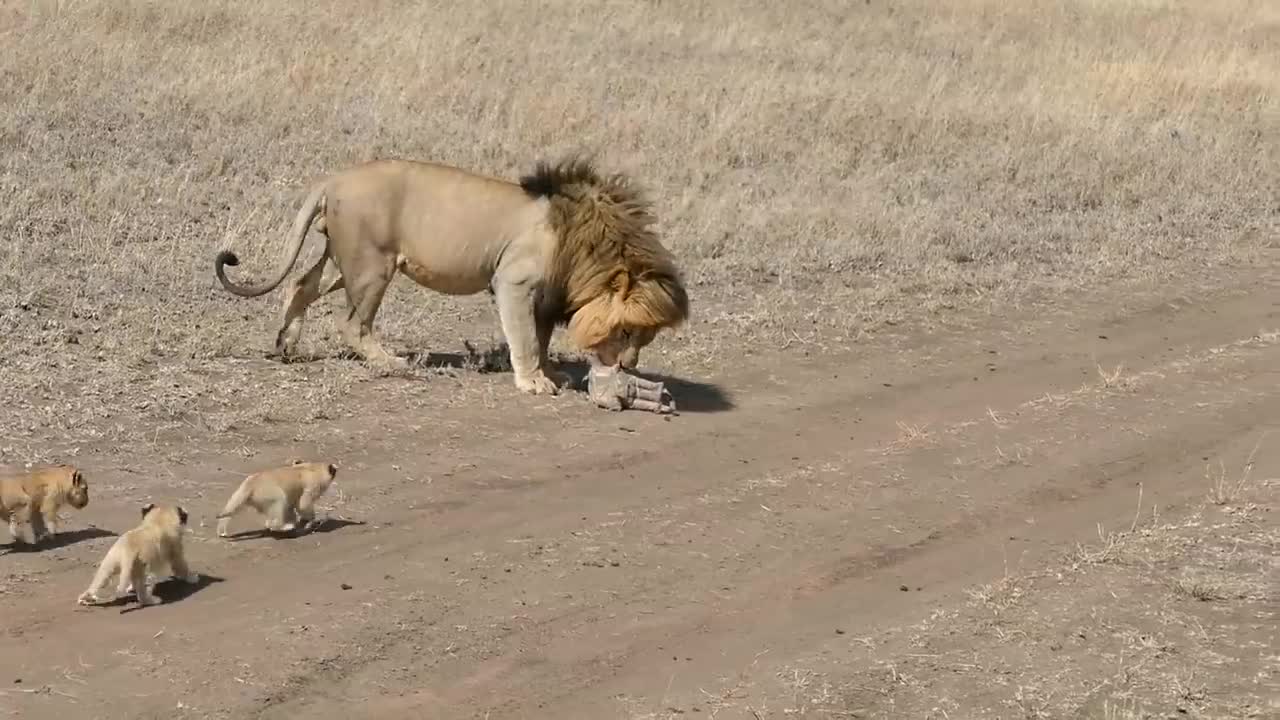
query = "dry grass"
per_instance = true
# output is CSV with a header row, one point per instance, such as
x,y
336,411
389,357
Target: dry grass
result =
x,y
886,156
1183,626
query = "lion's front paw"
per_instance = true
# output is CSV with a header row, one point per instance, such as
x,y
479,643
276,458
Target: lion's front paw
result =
x,y
87,598
537,384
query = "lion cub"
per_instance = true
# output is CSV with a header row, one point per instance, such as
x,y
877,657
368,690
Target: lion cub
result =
x,y
36,496
286,495
153,546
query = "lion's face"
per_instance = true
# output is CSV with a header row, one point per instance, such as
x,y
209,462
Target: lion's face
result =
x,y
622,348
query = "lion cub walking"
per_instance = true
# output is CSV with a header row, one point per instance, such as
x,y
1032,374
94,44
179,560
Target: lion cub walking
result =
x,y
36,496
286,495
154,545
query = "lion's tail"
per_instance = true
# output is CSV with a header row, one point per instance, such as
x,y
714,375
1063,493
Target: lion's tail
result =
x,y
235,502
313,206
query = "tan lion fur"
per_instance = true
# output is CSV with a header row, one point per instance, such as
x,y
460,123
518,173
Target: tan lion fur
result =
x,y
36,496
285,495
154,546
563,246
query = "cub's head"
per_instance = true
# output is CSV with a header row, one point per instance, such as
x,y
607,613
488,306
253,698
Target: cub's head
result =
x,y
173,515
315,469
77,490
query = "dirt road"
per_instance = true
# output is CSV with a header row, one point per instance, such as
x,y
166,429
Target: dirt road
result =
x,y
540,559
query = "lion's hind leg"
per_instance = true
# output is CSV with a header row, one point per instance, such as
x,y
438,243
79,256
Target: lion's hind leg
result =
x,y
306,511
17,516
180,569
364,293
301,293
40,529
275,505
135,574
102,576
280,517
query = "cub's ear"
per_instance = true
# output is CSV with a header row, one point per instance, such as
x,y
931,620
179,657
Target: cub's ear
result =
x,y
77,479
182,515
333,470
148,508
295,461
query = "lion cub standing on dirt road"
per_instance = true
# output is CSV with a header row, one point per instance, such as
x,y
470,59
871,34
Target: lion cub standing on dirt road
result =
x,y
286,495
154,545
36,496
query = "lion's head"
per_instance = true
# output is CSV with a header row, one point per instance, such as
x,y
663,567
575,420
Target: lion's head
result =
x,y
74,487
619,285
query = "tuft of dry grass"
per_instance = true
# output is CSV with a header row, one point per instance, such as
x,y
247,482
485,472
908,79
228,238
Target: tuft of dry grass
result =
x,y
1223,491
1185,630
819,169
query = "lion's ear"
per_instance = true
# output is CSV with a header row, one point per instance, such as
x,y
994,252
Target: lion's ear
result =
x,y
148,508
77,479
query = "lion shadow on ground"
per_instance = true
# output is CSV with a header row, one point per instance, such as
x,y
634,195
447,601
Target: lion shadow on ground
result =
x,y
323,525
62,539
690,396
169,590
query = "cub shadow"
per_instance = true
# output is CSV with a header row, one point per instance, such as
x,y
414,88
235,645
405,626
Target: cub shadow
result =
x,y
62,539
690,396
326,525
169,591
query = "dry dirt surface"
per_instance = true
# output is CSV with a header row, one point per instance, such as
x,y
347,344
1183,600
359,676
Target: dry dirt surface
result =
x,y
1065,513
978,402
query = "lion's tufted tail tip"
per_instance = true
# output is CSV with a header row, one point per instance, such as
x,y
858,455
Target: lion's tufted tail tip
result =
x,y
226,257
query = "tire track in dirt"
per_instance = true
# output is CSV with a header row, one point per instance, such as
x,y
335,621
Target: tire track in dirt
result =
x,y
828,464
785,611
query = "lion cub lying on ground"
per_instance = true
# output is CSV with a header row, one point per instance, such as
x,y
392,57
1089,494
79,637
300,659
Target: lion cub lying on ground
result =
x,y
36,496
286,495
154,545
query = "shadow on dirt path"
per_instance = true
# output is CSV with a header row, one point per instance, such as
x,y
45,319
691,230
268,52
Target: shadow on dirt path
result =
x,y
541,562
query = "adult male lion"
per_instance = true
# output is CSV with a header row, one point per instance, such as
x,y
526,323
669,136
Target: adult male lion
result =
x,y
563,246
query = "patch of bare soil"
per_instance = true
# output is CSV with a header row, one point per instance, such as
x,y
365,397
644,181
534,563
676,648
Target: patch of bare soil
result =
x,y
1068,512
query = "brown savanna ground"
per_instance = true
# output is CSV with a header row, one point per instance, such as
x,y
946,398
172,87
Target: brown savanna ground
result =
x,y
979,402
